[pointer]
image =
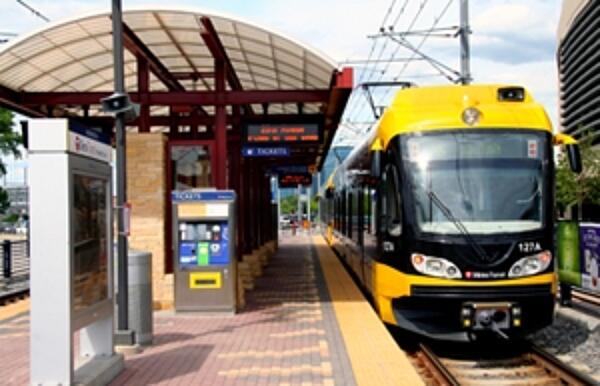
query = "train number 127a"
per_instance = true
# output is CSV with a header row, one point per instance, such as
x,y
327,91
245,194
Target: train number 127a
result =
x,y
529,246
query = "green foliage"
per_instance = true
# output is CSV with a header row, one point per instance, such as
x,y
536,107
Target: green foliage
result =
x,y
12,218
580,188
289,204
9,145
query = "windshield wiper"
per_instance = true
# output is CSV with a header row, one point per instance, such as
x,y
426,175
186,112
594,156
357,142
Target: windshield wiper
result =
x,y
481,253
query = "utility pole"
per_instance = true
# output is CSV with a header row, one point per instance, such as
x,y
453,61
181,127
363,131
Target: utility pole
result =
x,y
465,54
123,336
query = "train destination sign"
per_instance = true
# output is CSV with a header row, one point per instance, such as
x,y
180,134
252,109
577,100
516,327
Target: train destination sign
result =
x,y
282,133
294,179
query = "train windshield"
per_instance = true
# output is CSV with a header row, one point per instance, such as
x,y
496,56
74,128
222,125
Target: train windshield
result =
x,y
483,182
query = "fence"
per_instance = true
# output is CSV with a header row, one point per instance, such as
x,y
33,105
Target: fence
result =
x,y
15,266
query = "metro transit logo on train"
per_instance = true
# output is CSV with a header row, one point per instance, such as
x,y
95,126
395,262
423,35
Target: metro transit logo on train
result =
x,y
485,275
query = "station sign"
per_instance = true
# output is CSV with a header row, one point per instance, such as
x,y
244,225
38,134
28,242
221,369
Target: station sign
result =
x,y
288,133
254,151
90,142
288,169
205,195
294,179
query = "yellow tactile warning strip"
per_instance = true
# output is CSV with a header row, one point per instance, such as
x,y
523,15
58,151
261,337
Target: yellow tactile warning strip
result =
x,y
11,310
376,359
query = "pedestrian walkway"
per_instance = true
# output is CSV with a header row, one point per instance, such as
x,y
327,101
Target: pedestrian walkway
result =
x,y
305,323
285,334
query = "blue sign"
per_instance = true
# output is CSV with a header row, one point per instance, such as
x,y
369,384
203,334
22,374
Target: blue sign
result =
x,y
590,256
249,151
208,195
89,132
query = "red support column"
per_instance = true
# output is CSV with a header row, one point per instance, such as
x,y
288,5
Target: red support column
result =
x,y
143,82
220,129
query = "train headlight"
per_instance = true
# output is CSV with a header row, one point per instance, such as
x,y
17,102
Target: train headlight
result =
x,y
471,116
435,266
530,265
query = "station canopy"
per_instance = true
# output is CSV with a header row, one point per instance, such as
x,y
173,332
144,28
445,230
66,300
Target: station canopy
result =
x,y
65,68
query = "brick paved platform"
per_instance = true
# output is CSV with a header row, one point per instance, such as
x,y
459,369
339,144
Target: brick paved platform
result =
x,y
287,334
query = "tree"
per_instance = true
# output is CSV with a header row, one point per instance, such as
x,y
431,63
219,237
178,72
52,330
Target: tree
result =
x,y
9,145
583,188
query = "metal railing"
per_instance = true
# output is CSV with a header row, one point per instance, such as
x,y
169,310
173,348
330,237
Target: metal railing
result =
x,y
15,266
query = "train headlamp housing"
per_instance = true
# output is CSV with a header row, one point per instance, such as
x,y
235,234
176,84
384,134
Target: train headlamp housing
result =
x,y
471,116
531,265
435,266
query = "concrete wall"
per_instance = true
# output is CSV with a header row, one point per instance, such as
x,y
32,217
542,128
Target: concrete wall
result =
x,y
146,189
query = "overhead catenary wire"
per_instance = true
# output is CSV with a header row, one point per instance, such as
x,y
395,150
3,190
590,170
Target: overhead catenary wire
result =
x,y
373,47
416,53
353,105
33,10
411,25
367,70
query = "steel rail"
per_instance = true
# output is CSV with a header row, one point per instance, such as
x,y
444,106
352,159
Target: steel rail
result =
x,y
435,366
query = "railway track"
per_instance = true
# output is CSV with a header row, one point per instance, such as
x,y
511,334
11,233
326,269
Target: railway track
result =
x,y
530,366
13,296
586,297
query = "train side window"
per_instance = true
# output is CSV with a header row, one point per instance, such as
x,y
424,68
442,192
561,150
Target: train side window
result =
x,y
349,211
391,206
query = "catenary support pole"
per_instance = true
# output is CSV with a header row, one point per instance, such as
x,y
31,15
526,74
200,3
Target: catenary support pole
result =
x,y
465,54
119,84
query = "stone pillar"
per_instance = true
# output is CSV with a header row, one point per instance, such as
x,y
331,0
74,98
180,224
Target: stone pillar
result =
x,y
147,184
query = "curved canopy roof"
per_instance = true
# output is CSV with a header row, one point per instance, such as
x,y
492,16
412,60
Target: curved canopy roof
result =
x,y
75,55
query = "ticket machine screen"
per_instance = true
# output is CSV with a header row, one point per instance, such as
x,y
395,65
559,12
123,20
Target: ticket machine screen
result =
x,y
203,244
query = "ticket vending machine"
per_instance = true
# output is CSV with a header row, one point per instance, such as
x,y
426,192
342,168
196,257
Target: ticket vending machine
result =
x,y
204,250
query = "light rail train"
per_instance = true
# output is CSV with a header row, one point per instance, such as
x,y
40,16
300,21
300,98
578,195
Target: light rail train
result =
x,y
445,213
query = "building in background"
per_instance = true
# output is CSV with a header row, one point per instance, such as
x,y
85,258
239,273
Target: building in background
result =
x,y
15,184
579,68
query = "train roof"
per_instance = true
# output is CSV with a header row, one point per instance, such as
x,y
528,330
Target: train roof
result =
x,y
418,109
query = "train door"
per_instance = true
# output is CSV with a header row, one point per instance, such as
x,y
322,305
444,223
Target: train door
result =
x,y
390,223
369,239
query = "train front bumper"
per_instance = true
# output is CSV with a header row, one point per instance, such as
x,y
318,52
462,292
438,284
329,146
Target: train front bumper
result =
x,y
435,307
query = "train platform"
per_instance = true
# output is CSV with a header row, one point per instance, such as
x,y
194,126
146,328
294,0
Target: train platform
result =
x,y
305,323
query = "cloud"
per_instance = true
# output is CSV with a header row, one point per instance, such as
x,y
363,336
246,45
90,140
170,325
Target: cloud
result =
x,y
515,32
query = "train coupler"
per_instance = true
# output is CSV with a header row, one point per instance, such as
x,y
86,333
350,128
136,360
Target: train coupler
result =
x,y
494,316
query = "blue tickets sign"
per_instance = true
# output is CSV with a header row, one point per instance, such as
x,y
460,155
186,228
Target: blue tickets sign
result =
x,y
208,195
249,151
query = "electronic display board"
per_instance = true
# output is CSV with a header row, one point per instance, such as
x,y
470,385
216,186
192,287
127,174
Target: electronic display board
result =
x,y
266,133
289,180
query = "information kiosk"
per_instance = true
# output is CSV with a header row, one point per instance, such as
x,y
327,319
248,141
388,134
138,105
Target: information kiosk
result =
x,y
204,250
71,254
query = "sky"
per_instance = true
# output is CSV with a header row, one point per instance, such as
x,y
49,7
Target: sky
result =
x,y
511,42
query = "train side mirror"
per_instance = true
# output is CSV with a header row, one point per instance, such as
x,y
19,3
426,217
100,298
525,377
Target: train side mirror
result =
x,y
376,164
574,158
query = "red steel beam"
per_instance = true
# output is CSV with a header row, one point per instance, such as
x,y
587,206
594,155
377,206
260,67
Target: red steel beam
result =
x,y
342,83
12,101
136,46
190,120
213,43
220,130
192,75
174,98
143,80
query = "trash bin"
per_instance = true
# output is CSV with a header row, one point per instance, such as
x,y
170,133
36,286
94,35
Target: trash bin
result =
x,y
140,295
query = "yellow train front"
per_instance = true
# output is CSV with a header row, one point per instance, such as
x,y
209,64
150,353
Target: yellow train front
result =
x,y
445,213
